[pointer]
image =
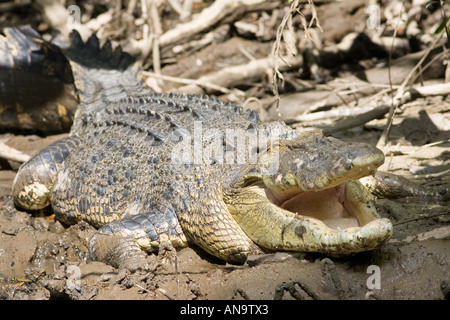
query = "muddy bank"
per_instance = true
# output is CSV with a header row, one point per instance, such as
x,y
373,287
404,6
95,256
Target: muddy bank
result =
x,y
41,259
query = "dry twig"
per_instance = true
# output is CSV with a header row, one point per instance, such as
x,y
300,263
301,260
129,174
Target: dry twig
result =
x,y
188,82
157,30
9,153
231,76
397,99
286,31
206,19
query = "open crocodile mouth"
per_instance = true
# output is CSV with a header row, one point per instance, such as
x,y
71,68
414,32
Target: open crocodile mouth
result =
x,y
337,207
312,200
336,220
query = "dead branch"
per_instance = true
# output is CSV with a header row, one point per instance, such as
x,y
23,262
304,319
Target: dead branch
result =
x,y
396,101
351,89
206,19
356,120
166,294
188,82
237,75
208,38
157,29
385,184
439,89
9,153
145,45
337,112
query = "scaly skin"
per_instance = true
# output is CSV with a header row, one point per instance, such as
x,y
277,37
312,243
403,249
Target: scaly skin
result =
x,y
126,177
149,168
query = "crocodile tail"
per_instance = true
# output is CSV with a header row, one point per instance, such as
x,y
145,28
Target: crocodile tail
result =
x,y
36,84
102,75
33,184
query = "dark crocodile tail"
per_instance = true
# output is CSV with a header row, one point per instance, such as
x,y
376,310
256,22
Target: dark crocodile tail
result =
x,y
43,84
37,90
34,181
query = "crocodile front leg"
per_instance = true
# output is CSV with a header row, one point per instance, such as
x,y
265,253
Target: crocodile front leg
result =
x,y
122,243
208,224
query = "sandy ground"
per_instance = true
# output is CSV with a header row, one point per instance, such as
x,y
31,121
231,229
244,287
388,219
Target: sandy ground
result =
x,y
42,259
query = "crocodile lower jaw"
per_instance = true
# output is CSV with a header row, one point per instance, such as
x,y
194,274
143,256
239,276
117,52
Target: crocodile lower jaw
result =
x,y
337,221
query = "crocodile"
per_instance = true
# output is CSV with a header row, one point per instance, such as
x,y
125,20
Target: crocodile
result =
x,y
148,169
